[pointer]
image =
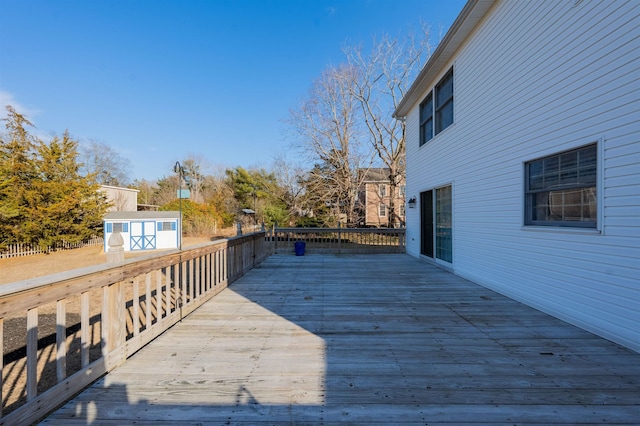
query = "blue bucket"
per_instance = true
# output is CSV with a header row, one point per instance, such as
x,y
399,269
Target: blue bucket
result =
x,y
299,246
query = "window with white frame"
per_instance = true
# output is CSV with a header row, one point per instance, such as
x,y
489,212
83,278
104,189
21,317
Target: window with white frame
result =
x,y
561,189
437,116
382,210
382,190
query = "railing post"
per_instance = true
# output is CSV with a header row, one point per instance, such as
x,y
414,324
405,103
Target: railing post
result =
x,y
275,240
339,237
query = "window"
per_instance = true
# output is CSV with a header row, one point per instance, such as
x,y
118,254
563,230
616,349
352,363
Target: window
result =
x,y
560,190
382,189
166,226
426,120
382,210
436,118
117,227
444,102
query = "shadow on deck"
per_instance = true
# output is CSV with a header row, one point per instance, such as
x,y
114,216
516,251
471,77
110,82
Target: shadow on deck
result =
x,y
388,339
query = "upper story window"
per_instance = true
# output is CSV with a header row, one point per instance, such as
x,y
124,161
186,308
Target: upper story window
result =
x,y
444,102
560,190
426,120
437,116
382,190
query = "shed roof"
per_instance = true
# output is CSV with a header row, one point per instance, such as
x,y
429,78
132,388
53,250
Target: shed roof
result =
x,y
142,215
472,13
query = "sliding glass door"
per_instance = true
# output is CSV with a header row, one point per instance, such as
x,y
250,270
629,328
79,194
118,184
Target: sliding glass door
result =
x,y
444,242
436,224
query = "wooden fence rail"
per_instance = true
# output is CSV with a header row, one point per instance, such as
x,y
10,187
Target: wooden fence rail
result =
x,y
25,249
101,315
341,240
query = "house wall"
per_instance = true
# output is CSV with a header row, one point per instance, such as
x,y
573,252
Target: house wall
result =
x,y
121,199
373,199
537,78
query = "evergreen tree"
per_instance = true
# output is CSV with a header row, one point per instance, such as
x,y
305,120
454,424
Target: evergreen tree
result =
x,y
62,205
17,172
43,198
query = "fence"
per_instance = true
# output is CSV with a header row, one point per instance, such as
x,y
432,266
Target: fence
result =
x,y
341,240
78,325
24,249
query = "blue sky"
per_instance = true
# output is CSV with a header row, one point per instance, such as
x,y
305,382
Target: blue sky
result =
x,y
160,80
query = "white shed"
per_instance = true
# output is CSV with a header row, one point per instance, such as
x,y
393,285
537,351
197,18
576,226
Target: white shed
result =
x,y
144,230
523,154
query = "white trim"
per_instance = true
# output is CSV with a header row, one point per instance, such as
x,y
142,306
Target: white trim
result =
x,y
600,186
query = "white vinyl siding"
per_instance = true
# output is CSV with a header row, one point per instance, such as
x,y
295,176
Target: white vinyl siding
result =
x,y
536,79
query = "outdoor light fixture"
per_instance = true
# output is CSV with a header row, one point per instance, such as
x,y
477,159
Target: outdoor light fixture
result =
x,y
412,202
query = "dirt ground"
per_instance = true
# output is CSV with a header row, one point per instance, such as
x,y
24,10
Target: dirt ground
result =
x,y
26,267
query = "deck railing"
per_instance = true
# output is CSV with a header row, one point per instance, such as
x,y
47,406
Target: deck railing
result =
x,y
66,330
341,240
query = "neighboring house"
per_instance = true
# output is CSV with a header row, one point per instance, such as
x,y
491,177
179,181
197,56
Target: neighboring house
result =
x,y
523,153
374,198
121,199
145,230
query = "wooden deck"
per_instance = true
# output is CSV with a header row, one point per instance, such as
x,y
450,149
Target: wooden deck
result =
x,y
387,339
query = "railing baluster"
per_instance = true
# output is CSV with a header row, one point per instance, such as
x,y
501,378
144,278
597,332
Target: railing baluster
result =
x,y
185,283
32,353
61,340
136,306
158,295
84,329
147,301
198,279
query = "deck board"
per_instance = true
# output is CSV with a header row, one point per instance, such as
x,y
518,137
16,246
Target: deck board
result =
x,y
369,339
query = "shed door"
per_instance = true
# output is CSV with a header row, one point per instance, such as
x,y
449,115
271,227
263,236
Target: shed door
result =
x,y
143,235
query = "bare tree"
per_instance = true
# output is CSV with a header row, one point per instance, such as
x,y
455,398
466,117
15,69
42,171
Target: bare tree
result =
x,y
325,128
381,79
288,188
109,167
145,191
193,168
